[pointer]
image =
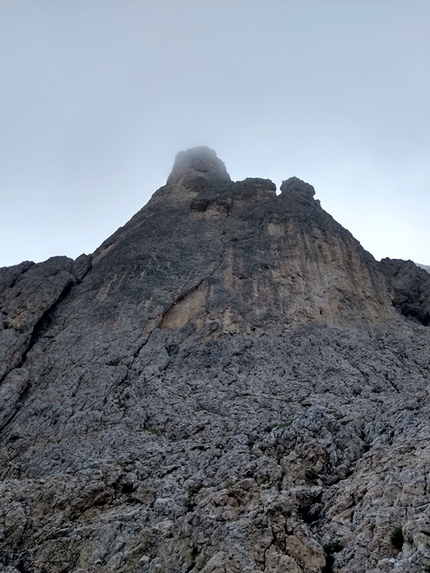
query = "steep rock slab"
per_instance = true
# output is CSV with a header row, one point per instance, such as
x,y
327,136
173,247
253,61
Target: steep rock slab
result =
x,y
28,293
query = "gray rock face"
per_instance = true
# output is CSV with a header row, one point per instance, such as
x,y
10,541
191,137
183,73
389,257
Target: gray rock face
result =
x,y
28,293
411,288
224,386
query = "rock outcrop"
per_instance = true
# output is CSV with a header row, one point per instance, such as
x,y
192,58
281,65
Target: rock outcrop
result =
x,y
411,288
230,383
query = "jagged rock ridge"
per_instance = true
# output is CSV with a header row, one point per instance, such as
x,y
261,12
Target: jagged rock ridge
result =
x,y
229,383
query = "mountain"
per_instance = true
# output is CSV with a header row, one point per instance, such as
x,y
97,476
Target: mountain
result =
x,y
229,384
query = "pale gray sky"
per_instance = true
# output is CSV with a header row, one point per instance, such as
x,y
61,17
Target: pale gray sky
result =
x,y
97,97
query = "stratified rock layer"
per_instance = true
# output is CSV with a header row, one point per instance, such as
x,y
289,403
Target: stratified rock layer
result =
x,y
226,385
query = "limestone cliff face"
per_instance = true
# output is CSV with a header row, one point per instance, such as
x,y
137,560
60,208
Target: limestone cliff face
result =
x,y
211,254
230,383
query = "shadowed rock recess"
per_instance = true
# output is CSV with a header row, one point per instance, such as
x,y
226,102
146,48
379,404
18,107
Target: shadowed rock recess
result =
x,y
229,384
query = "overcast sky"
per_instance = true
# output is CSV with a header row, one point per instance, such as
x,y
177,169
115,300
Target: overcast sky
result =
x,y
97,97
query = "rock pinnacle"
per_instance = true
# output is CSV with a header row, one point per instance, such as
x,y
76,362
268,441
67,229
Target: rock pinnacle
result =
x,y
197,162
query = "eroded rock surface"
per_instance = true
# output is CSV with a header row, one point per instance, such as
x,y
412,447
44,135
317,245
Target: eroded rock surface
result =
x,y
225,386
411,288
28,293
